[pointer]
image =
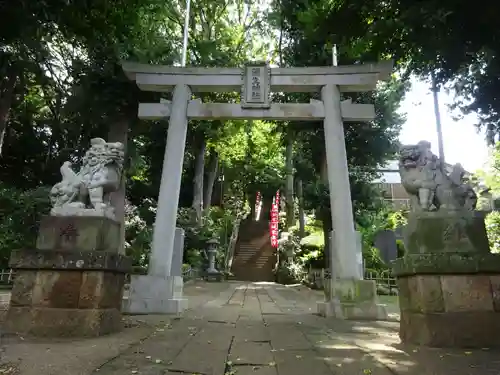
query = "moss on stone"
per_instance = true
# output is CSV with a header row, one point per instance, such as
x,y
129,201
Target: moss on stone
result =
x,y
446,263
446,231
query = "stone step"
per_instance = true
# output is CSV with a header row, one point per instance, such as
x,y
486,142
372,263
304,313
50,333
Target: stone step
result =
x,y
246,260
255,249
254,259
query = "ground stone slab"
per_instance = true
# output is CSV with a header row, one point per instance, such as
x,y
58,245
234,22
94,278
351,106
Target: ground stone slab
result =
x,y
255,370
251,353
300,344
300,362
198,358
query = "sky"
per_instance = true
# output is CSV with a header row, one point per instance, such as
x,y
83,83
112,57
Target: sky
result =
x,y
462,143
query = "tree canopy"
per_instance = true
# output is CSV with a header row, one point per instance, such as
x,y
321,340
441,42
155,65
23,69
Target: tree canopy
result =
x,y
457,41
62,84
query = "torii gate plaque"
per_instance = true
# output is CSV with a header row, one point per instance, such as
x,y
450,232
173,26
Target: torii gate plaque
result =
x,y
256,86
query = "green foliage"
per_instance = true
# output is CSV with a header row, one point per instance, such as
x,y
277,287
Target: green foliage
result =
x,y
372,222
490,175
138,237
458,41
306,40
62,84
312,245
20,213
491,178
216,224
254,159
63,60
492,222
291,273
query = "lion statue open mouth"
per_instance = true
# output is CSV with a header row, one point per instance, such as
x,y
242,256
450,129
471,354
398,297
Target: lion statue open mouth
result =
x,y
424,177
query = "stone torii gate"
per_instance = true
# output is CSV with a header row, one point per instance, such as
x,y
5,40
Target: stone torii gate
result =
x,y
255,81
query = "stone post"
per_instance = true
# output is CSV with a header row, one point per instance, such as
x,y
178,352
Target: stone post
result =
x,y
344,240
359,256
170,186
71,284
178,255
161,290
349,295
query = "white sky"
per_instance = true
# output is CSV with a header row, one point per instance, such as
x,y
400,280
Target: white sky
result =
x,y
462,143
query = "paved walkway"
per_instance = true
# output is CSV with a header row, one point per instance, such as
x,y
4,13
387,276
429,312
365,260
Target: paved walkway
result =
x,y
243,329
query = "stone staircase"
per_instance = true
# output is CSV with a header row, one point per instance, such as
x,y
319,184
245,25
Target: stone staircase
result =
x,y
254,258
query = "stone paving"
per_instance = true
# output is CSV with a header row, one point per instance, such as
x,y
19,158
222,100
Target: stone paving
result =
x,y
248,329
269,329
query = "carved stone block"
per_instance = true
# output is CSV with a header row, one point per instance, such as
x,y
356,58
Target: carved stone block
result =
x,y
448,304
63,322
69,286
445,231
471,329
78,233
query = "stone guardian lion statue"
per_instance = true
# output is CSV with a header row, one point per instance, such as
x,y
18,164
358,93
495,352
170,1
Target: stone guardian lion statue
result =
x,y
424,177
87,193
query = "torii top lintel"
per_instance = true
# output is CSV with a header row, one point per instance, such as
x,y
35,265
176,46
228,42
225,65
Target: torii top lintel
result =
x,y
349,78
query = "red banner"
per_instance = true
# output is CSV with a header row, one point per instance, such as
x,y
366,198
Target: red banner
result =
x,y
274,225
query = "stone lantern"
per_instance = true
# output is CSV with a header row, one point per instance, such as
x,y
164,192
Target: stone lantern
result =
x,y
212,272
212,245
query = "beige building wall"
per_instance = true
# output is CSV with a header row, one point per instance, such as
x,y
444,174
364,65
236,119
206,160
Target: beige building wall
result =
x,y
396,194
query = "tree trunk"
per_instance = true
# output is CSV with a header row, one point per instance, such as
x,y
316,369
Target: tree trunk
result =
x,y
289,181
118,132
199,171
7,94
324,170
300,196
213,167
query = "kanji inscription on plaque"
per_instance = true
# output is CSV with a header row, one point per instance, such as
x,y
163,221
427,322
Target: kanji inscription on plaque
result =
x,y
256,86
69,233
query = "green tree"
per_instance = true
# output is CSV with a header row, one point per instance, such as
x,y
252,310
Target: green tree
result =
x,y
456,41
306,40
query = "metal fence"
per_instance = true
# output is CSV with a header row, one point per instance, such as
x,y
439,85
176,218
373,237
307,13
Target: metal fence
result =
x,y
386,283
190,274
7,278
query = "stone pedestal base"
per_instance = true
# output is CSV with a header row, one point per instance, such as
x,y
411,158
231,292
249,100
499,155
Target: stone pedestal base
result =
x,y
57,322
352,299
155,295
63,288
212,276
449,299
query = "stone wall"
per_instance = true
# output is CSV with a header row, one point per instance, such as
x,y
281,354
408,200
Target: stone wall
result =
x,y
450,310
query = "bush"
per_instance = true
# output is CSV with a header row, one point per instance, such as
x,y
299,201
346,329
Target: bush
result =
x,y
20,213
295,258
138,238
217,223
291,273
493,229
